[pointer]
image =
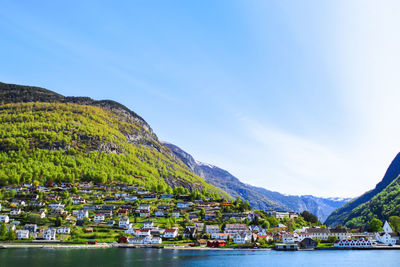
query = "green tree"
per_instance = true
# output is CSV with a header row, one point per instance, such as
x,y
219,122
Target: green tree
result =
x,y
11,235
394,222
375,225
3,230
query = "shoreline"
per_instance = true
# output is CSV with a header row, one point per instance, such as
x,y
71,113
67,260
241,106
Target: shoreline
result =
x,y
131,246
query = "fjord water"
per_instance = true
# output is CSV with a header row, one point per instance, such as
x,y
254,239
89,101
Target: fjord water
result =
x,y
160,257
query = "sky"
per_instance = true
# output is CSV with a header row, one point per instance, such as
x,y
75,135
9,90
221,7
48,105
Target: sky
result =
x,y
300,97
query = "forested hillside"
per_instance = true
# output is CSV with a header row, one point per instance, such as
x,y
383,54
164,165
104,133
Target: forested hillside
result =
x,y
376,202
48,137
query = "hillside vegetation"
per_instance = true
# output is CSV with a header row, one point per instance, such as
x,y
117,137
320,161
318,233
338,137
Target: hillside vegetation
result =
x,y
71,139
380,202
382,206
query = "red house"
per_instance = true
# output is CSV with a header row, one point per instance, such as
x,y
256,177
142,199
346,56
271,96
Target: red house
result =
x,y
216,243
123,239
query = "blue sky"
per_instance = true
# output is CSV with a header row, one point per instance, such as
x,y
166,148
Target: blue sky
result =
x,y
301,98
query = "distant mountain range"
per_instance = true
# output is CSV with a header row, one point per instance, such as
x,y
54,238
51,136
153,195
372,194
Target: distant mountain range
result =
x,y
259,198
381,202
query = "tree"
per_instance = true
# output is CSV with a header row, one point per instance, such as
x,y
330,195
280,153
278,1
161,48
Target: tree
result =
x,y
309,217
3,229
58,222
332,238
375,225
394,222
11,235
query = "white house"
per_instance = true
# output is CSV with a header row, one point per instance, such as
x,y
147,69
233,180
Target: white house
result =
x,y
211,229
4,218
63,230
170,233
142,232
140,240
82,214
56,206
130,198
183,205
354,243
175,214
242,238
221,236
148,225
156,240
124,223
290,237
159,213
49,234
386,237
22,234
144,206
99,218
15,212
236,228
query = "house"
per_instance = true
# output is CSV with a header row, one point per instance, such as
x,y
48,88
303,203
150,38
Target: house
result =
x,y
307,243
200,242
241,238
56,205
190,232
140,240
289,237
293,215
122,212
279,228
199,226
236,228
286,246
142,232
77,200
148,225
63,230
49,234
182,205
22,234
210,229
157,232
124,223
175,214
130,198
163,207
108,207
82,214
317,232
99,218
354,243
210,216
221,236
15,212
32,228
252,216
159,213
340,233
170,233
156,240
10,227
90,207
4,218
144,206
216,243
144,213
167,196
386,236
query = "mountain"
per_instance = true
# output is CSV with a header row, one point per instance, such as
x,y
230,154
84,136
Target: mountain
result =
x,y
380,202
45,136
258,197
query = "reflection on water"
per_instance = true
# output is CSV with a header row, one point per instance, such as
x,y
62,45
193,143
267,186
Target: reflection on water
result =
x,y
160,257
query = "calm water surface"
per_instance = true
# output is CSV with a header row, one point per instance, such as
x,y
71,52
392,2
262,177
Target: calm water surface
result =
x,y
159,257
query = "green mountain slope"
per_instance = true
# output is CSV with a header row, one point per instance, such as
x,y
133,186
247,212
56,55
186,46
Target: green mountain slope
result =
x,y
381,206
374,203
45,136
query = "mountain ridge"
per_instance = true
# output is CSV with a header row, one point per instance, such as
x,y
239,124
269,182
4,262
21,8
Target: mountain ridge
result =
x,y
258,197
344,214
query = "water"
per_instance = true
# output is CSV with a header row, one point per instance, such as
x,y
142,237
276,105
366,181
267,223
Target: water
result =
x,y
158,257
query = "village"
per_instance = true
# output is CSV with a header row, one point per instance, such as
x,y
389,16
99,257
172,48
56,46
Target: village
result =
x,y
126,215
